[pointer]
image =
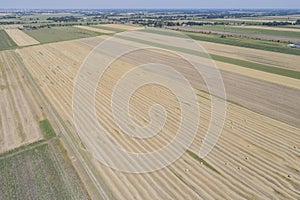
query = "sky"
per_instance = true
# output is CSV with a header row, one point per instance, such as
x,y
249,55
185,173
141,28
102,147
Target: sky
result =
x,y
149,4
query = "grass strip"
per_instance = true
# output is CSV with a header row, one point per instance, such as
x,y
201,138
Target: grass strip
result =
x,y
46,129
6,42
200,160
21,149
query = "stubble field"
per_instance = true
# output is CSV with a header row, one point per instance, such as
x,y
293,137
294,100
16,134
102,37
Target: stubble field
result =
x,y
256,156
95,29
122,26
21,110
21,38
254,55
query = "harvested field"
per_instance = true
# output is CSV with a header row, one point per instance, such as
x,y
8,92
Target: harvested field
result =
x,y
255,158
242,93
122,26
263,76
95,29
116,30
39,173
20,108
94,41
253,55
21,38
10,26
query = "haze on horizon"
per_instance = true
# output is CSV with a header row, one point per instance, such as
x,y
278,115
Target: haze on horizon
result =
x,y
104,4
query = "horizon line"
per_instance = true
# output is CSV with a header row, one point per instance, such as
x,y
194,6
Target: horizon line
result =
x,y
154,8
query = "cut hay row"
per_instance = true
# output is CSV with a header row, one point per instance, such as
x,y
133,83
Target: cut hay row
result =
x,y
21,38
20,109
255,157
95,29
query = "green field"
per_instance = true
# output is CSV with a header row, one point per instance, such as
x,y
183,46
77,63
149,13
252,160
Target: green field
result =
x,y
6,42
39,173
56,34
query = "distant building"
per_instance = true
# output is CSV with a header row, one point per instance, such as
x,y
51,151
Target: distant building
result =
x,y
297,45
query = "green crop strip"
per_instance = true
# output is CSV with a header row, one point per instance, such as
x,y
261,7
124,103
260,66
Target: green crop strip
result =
x,y
196,157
